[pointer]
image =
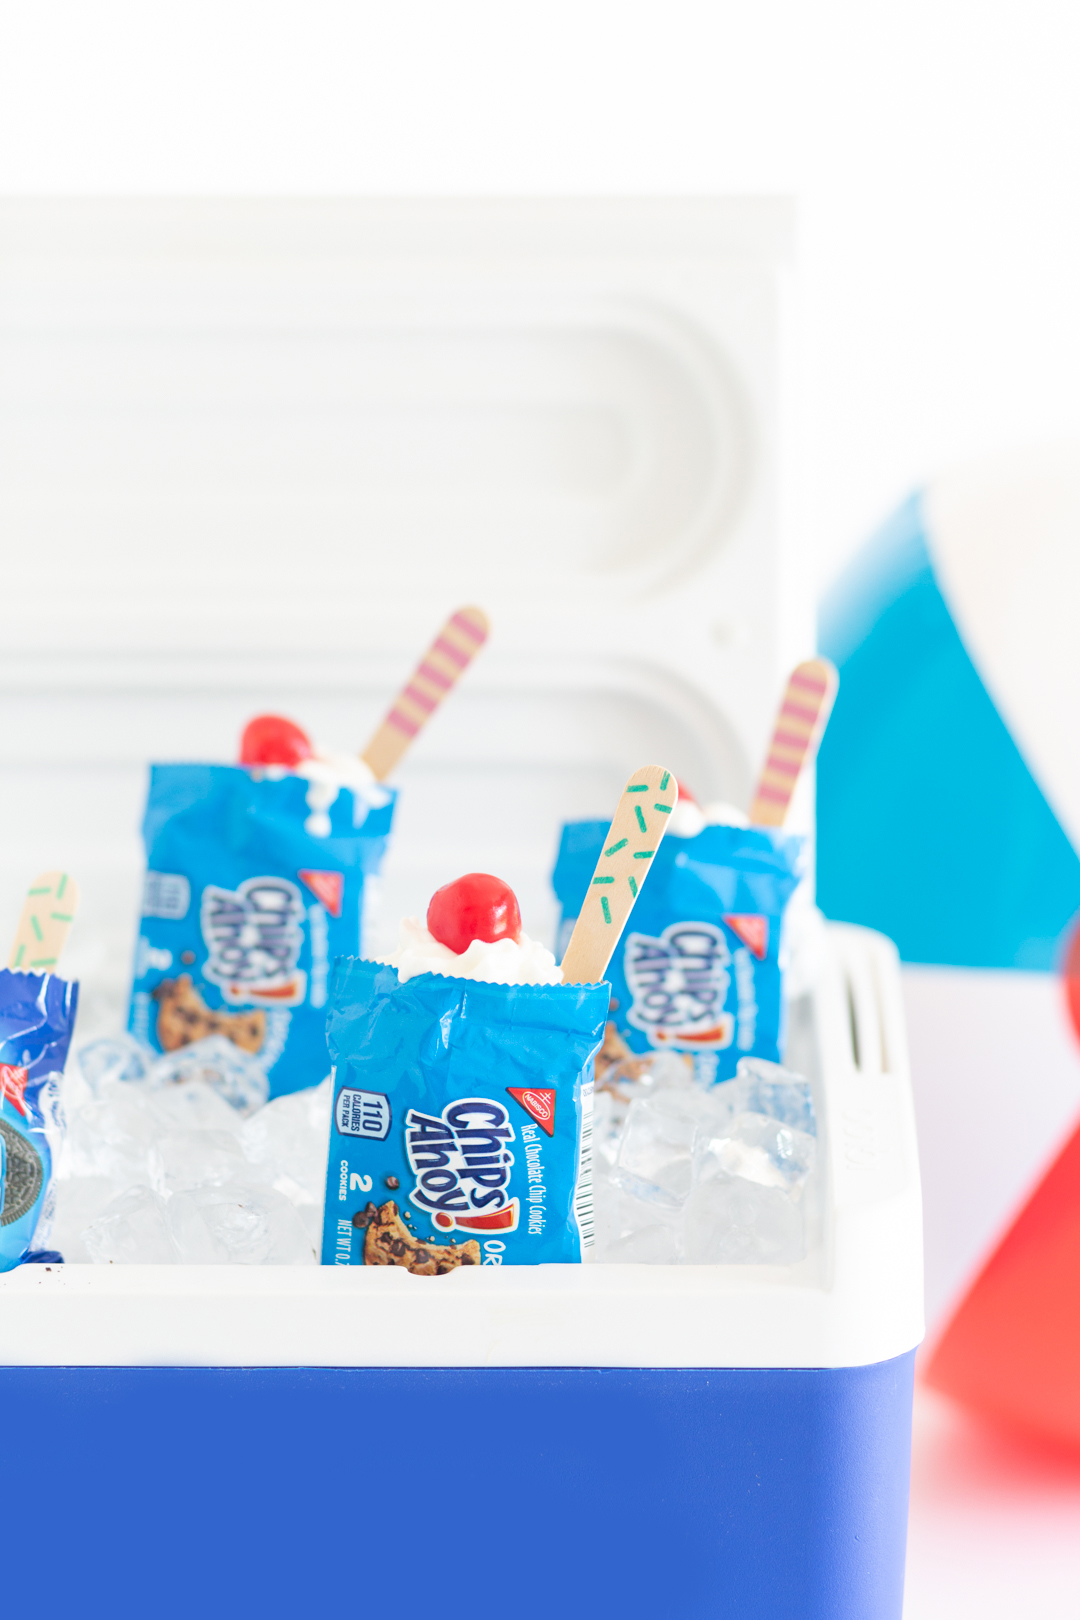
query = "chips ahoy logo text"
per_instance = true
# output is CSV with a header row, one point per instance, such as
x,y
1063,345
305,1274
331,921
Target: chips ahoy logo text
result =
x,y
462,1161
254,936
679,985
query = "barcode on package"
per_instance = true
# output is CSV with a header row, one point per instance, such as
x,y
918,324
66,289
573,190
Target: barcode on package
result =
x,y
583,1193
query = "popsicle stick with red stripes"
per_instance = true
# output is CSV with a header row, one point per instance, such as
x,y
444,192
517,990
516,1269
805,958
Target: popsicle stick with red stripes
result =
x,y
47,915
640,822
445,661
803,716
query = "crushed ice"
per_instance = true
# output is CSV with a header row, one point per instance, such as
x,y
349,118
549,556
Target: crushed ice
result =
x,y
715,1176
180,1159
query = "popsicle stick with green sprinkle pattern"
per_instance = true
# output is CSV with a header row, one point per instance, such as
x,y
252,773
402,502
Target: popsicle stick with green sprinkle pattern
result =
x,y
640,822
47,915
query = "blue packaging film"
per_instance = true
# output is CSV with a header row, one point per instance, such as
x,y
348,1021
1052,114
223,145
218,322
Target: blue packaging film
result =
x,y
245,908
698,969
461,1128
37,1016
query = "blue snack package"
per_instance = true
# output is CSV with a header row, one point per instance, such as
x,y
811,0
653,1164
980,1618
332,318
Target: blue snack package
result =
x,y
249,897
699,971
37,1016
462,1121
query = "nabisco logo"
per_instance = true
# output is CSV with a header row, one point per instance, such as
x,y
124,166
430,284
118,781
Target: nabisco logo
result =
x,y
461,1160
537,1102
13,1089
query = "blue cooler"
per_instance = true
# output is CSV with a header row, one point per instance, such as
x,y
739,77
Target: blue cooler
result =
x,y
680,1442
349,416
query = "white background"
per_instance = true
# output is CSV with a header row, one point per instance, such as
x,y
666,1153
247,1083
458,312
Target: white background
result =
x,y
934,146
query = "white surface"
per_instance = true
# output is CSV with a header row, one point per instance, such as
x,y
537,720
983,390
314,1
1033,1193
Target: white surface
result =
x,y
265,447
857,1298
995,1069
995,1524
1005,541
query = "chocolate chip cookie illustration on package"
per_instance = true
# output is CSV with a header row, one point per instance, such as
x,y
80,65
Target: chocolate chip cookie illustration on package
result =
x,y
183,1017
388,1242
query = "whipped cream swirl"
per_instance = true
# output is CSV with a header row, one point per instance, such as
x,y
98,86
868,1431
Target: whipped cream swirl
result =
x,y
505,961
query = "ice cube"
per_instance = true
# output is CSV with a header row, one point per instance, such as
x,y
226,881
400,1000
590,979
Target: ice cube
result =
x,y
311,1219
606,1131
78,1202
182,1159
762,1150
112,1136
760,1087
670,1071
731,1221
655,1159
287,1141
113,1057
194,1106
131,1231
238,1225
623,1225
215,1060
647,1246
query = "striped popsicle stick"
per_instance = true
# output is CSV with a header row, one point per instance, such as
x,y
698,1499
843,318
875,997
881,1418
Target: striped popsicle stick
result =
x,y
640,822
803,715
47,915
445,661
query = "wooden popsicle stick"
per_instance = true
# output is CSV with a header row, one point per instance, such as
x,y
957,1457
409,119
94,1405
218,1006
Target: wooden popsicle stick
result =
x,y
445,661
796,736
640,822
47,915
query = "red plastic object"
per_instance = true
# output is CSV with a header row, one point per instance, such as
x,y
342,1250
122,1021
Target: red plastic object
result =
x,y
476,906
1013,1348
270,739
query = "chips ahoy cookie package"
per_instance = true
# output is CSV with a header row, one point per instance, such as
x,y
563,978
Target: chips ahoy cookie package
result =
x,y
461,1121
700,971
249,897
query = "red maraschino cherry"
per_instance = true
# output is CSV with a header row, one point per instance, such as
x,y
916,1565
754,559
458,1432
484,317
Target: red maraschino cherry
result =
x,y
684,792
270,739
476,906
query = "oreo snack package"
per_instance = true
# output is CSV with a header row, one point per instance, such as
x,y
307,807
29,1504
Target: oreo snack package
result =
x,y
256,881
700,969
462,1122
37,1016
